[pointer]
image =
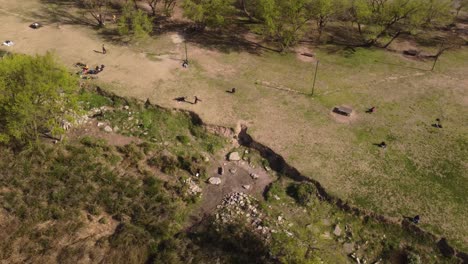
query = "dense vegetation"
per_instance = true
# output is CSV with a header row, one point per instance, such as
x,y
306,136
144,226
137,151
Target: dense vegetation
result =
x,y
36,97
368,22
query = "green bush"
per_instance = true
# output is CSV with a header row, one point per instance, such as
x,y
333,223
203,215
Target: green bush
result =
x,y
183,139
134,23
302,192
34,91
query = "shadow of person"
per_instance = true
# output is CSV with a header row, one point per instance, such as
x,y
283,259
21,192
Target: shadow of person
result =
x,y
233,90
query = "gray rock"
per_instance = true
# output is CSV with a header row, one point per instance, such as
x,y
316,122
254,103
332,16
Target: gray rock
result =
x,y
232,170
348,247
100,124
234,156
254,175
247,187
108,129
214,180
337,231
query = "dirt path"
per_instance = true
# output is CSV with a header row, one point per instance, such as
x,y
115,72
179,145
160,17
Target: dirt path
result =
x,y
74,44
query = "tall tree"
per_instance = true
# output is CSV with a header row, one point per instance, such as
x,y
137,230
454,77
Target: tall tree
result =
x,y
134,22
460,5
97,9
35,96
165,6
153,4
284,20
392,17
213,13
325,10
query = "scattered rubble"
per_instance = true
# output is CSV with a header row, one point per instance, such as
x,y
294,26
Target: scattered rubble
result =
x,y
193,188
239,205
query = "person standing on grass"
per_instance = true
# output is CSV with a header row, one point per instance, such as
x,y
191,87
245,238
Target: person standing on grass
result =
x,y
104,51
196,100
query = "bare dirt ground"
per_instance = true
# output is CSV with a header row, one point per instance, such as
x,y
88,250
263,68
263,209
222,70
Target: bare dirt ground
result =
x,y
236,175
91,129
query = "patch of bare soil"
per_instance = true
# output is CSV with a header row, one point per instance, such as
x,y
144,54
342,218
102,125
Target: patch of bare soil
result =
x,y
209,61
91,129
236,176
400,45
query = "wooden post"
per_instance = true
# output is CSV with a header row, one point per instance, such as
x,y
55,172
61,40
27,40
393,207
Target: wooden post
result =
x,y
435,61
315,77
186,57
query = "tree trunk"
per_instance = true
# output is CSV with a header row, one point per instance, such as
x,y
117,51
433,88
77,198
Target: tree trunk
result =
x,y
246,12
393,38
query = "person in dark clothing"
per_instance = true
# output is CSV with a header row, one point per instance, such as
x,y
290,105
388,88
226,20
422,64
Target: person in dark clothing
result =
x,y
371,110
104,51
196,100
233,90
180,99
383,145
416,219
185,64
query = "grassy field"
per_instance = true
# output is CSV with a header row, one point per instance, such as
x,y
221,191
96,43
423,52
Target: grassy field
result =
x,y
423,170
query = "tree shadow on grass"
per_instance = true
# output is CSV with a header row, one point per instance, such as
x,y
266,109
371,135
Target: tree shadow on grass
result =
x,y
226,42
62,12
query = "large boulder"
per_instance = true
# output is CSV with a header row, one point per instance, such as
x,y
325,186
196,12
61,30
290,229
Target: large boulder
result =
x,y
337,231
214,180
234,156
108,129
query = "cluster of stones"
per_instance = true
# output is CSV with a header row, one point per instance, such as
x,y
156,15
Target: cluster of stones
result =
x,y
193,188
240,206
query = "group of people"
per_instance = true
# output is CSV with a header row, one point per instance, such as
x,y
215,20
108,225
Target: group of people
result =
x,y
98,69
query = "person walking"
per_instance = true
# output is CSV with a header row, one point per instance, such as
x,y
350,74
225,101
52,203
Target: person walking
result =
x,y
104,51
196,100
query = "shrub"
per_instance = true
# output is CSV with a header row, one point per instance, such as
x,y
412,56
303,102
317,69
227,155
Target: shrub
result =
x,y
302,192
134,23
34,91
183,139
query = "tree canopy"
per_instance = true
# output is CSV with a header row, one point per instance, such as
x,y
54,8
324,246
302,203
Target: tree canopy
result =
x,y
285,22
35,96
134,22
